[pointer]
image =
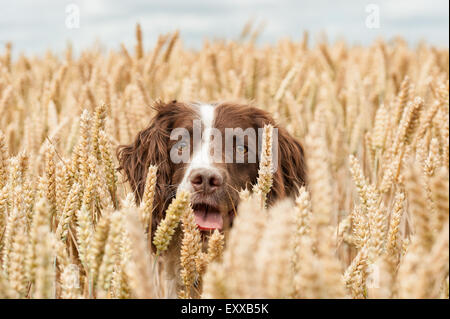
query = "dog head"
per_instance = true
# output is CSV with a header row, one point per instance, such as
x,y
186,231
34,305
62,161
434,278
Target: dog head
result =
x,y
212,151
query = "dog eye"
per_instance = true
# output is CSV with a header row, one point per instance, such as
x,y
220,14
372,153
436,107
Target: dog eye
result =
x,y
241,149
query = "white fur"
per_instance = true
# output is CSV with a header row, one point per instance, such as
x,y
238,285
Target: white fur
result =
x,y
202,157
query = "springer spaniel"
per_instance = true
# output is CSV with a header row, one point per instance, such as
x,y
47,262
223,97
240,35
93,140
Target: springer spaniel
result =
x,y
190,144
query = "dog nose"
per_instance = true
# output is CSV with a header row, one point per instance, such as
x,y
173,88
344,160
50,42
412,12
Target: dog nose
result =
x,y
206,180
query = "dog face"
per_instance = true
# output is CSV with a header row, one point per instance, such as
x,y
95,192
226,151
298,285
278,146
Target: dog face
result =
x,y
212,151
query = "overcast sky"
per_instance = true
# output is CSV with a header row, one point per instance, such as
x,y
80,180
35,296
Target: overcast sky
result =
x,y
35,25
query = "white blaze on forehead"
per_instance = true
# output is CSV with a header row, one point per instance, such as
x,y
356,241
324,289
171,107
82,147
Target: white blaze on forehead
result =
x,y
202,155
207,115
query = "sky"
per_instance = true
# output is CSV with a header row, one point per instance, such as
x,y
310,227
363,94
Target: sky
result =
x,y
36,25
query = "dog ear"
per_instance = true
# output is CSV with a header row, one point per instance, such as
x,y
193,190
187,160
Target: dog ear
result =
x,y
150,148
291,167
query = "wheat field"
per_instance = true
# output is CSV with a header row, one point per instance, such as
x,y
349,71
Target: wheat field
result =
x,y
373,221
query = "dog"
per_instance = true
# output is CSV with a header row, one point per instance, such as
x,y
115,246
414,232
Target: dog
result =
x,y
212,151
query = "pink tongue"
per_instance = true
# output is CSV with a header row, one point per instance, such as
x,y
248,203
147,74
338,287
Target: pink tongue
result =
x,y
208,221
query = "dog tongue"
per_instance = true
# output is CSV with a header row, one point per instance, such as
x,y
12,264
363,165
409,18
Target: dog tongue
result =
x,y
208,220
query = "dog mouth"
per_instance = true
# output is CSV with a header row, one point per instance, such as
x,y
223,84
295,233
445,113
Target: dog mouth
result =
x,y
207,217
